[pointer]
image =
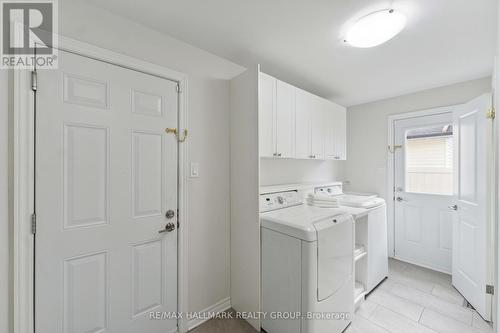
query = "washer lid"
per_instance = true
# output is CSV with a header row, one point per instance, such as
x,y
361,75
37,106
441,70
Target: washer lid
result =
x,y
299,221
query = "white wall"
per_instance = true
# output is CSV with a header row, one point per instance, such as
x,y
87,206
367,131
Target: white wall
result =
x,y
283,171
208,104
366,166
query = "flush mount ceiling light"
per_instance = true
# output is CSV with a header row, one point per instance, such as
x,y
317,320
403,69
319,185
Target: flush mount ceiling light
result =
x,y
376,28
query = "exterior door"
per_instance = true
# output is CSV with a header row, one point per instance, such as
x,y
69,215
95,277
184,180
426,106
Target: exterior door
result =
x,y
106,174
423,190
470,227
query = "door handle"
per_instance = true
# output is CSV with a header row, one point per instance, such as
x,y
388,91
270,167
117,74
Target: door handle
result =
x,y
453,207
400,199
168,228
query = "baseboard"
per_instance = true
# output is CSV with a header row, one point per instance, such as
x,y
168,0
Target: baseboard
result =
x,y
218,307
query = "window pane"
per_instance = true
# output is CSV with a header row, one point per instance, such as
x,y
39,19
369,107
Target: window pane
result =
x,y
429,160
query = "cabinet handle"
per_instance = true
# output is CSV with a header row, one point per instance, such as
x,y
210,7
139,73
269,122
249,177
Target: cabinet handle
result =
x,y
312,156
275,154
279,154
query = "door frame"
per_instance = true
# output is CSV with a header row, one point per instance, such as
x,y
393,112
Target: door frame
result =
x,y
390,187
23,180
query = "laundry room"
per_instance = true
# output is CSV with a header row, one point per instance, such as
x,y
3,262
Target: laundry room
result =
x,y
249,166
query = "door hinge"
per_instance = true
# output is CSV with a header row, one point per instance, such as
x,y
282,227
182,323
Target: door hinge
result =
x,y
491,113
490,290
33,223
178,88
178,220
34,80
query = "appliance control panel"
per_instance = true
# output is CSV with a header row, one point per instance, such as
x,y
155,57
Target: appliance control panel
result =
x,y
279,200
329,190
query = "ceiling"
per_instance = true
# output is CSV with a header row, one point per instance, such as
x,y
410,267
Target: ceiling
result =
x,y
300,41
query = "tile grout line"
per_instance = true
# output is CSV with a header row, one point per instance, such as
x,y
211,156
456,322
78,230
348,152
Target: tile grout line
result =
x,y
396,313
421,314
434,285
383,328
436,310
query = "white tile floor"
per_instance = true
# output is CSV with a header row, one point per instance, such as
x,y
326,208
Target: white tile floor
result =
x,y
416,300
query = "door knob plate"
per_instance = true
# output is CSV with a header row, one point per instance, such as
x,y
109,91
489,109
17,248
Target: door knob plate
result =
x,y
170,214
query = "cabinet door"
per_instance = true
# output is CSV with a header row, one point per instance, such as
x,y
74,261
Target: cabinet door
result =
x,y
303,107
335,132
330,127
341,133
285,119
317,129
267,115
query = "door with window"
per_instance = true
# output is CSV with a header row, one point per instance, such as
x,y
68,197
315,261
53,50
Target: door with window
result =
x,y
423,190
472,230
106,199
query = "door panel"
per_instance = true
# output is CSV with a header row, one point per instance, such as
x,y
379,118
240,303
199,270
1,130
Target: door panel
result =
x,y
317,129
86,175
267,115
470,235
86,275
285,119
147,276
341,133
147,167
423,225
335,131
303,108
330,127
106,173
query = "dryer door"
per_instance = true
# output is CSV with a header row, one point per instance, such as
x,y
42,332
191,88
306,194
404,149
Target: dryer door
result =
x,y
335,254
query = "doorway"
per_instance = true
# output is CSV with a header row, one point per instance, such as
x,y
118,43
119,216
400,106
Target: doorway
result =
x,y
106,198
423,165
441,176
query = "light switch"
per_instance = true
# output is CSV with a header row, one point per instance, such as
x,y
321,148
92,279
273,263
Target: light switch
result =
x,y
195,170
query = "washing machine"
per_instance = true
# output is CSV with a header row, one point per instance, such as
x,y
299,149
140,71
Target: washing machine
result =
x,y
371,230
307,265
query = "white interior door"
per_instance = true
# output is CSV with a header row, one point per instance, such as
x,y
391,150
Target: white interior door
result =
x,y
106,175
423,190
470,232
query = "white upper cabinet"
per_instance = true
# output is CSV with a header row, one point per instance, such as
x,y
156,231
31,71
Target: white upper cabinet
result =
x,y
285,119
317,129
304,102
267,115
340,132
330,134
335,132
294,123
